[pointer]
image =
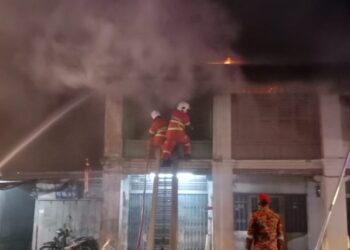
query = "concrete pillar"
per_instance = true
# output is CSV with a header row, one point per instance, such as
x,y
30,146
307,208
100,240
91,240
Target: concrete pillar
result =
x,y
222,208
336,235
110,234
111,207
314,212
222,127
333,159
222,174
113,127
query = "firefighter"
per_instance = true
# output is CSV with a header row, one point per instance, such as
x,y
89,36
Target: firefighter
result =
x,y
176,132
264,228
157,131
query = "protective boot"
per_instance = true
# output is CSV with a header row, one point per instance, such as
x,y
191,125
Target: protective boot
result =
x,y
165,163
187,157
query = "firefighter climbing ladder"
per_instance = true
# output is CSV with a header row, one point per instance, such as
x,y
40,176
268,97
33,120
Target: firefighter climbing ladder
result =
x,y
162,231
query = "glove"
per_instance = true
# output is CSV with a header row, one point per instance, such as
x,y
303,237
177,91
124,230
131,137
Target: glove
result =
x,y
189,129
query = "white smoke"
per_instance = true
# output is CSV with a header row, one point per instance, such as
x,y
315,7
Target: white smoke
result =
x,y
139,47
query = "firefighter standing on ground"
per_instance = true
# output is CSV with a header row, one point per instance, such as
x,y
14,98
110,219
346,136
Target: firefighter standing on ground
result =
x,y
265,228
176,132
157,130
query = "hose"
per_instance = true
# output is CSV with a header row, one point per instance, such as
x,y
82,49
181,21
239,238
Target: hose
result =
x,y
138,245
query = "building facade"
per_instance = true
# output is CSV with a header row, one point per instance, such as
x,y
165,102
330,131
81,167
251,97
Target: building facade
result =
x,y
288,143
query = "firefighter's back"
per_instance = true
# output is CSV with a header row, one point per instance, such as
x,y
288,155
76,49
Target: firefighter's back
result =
x,y
266,223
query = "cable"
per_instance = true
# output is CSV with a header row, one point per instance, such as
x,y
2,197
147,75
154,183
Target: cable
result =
x,y
138,245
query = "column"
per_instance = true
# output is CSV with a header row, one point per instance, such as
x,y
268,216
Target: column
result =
x,y
222,207
113,127
222,127
111,208
222,174
314,211
110,234
333,159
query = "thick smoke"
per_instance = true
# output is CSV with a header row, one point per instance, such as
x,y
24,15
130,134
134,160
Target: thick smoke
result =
x,y
141,48
146,50
275,31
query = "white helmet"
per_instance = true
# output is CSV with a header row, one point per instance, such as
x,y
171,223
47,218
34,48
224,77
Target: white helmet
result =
x,y
183,106
155,114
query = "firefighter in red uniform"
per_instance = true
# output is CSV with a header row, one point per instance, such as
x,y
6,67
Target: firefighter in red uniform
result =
x,y
176,132
157,130
264,228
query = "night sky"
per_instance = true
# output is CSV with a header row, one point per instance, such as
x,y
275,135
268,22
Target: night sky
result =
x,y
51,51
297,31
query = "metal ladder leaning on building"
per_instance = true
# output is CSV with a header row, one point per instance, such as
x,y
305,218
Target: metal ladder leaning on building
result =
x,y
162,230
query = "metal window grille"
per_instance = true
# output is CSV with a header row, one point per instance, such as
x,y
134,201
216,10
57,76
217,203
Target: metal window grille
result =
x,y
240,212
134,219
291,208
192,209
295,213
193,221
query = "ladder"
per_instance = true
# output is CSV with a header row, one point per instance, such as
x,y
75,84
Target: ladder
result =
x,y
162,231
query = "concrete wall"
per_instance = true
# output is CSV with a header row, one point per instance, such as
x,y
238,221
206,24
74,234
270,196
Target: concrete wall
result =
x,y
81,216
270,184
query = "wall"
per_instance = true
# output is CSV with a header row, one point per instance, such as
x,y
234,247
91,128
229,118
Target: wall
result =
x,y
82,216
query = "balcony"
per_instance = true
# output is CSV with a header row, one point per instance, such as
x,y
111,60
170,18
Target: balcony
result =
x,y
137,149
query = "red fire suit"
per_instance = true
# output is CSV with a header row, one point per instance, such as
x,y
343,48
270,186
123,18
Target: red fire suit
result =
x,y
176,134
157,129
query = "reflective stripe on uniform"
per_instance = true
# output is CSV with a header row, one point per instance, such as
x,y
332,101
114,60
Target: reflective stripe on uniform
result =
x,y
160,135
178,123
178,129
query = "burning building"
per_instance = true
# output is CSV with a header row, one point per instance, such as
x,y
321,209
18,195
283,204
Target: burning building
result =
x,y
272,135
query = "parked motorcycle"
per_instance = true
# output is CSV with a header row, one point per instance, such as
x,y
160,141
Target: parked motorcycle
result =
x,y
83,243
60,242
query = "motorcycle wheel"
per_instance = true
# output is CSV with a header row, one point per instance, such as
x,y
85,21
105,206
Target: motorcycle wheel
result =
x,y
48,248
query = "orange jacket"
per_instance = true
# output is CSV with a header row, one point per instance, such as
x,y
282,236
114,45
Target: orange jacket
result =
x,y
179,120
265,230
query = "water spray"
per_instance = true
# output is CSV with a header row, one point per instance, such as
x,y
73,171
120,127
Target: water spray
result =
x,y
330,209
42,128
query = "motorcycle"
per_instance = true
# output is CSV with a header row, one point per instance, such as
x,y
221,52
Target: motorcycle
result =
x,y
60,242
83,243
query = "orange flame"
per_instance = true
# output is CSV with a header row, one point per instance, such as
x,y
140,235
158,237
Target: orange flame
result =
x,y
229,61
